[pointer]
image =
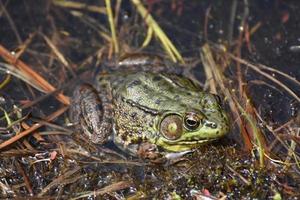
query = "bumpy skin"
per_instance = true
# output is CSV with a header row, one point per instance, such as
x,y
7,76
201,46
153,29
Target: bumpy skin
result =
x,y
148,111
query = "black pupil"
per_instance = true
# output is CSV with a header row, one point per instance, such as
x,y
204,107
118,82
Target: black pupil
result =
x,y
191,122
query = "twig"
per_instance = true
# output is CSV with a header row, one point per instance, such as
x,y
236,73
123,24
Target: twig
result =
x,y
77,5
112,26
32,128
110,188
167,44
255,68
57,181
8,57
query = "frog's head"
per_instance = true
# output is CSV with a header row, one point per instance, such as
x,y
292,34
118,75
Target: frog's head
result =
x,y
192,126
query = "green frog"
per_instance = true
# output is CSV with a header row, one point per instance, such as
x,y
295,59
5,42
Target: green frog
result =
x,y
148,111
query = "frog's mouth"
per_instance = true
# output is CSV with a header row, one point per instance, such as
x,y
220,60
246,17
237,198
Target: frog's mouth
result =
x,y
181,145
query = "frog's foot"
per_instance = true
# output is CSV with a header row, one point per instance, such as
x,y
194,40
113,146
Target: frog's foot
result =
x,y
177,155
149,151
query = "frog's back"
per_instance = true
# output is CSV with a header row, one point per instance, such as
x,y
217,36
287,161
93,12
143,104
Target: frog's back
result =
x,y
156,91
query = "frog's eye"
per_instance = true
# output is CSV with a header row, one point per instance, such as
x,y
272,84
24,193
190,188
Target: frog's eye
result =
x,y
171,127
192,121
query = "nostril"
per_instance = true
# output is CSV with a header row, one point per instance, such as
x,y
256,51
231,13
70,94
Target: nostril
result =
x,y
210,124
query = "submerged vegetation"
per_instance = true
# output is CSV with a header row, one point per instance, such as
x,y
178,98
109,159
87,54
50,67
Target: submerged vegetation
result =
x,y
246,58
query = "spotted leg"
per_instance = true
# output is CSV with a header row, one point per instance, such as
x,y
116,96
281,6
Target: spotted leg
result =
x,y
92,113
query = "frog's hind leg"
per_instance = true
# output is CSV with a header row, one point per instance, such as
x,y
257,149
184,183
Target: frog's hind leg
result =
x,y
92,112
148,63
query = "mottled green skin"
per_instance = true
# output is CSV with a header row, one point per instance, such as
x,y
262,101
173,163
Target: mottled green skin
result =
x,y
147,110
140,100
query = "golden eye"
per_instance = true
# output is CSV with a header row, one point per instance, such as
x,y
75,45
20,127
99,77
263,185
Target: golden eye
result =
x,y
192,121
171,127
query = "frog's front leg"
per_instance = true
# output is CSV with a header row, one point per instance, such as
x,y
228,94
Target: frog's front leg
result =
x,y
92,113
150,152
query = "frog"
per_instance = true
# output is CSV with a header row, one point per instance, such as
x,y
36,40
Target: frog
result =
x,y
148,109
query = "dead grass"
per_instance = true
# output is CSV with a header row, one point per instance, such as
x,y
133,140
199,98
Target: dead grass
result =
x,y
63,160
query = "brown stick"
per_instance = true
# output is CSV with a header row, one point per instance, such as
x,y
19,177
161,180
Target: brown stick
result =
x,y
8,57
32,128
